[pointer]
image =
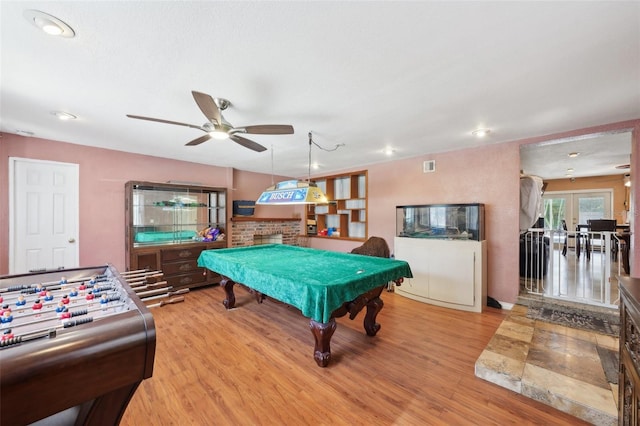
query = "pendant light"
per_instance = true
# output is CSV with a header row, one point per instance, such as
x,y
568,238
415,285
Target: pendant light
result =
x,y
294,191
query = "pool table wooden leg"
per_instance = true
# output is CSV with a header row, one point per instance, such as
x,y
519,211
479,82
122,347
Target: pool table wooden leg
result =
x,y
227,284
322,332
373,307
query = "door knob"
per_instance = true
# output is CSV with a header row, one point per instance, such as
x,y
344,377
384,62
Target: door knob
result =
x,y
72,240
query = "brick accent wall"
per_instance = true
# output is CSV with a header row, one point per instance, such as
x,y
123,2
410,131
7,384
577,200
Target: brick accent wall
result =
x,y
243,231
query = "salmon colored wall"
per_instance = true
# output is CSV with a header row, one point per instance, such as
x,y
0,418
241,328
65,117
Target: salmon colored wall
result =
x,y
614,182
103,174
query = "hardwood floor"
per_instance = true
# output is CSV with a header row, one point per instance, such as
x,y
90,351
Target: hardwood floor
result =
x,y
254,365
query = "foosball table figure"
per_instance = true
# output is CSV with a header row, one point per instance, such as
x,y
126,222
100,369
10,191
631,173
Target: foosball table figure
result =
x,y
74,346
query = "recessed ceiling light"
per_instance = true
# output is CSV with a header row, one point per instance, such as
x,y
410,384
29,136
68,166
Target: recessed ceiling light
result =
x,y
49,24
574,154
480,133
388,151
63,115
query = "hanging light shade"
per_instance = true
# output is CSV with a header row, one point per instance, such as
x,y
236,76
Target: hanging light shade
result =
x,y
293,192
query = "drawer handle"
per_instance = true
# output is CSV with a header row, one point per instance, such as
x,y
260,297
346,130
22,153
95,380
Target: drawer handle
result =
x,y
184,253
186,280
185,267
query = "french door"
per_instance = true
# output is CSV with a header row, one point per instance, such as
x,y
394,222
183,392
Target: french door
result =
x,y
576,208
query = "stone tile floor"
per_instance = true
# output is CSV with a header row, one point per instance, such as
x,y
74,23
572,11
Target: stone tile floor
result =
x,y
553,364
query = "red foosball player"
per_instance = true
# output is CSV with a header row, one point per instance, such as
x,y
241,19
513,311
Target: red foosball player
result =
x,y
1,299
65,315
4,309
7,334
90,295
37,305
65,299
82,286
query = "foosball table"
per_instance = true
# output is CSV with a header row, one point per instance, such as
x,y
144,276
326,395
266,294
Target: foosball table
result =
x,y
74,346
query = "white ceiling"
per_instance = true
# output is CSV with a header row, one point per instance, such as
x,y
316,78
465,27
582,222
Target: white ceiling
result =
x,y
417,77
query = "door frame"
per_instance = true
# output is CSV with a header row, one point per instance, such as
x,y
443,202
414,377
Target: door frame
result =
x,y
12,203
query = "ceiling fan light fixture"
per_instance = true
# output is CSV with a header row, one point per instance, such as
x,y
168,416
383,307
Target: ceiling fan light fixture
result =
x,y
219,134
480,133
64,116
49,24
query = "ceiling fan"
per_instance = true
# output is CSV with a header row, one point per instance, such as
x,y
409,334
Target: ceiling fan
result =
x,y
219,128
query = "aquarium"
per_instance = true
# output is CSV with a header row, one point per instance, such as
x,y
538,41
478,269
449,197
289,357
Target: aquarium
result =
x,y
441,221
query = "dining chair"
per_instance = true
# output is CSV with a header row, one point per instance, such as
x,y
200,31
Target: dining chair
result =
x,y
602,225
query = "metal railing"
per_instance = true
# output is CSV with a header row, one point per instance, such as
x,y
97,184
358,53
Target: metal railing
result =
x,y
579,273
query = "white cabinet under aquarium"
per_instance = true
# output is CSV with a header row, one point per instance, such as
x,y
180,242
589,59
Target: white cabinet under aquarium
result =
x,y
444,245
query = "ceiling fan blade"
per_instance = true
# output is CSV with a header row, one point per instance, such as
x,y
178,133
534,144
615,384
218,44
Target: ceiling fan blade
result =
x,y
247,143
199,140
269,129
208,106
159,120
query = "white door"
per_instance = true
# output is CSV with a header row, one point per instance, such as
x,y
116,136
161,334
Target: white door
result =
x,y
43,215
576,208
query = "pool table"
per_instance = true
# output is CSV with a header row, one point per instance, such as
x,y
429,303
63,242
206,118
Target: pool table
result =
x,y
322,284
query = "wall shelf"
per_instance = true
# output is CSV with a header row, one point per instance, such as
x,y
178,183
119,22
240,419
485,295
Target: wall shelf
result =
x,y
345,216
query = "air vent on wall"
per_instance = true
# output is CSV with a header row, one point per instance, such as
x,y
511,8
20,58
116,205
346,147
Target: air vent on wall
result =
x,y
429,166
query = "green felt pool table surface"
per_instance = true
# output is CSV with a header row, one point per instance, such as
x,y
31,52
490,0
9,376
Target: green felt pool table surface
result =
x,y
317,282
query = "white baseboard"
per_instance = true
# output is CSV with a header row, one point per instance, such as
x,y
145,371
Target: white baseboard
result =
x,y
505,305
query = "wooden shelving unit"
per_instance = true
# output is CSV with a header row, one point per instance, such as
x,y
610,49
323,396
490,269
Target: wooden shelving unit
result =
x,y
345,217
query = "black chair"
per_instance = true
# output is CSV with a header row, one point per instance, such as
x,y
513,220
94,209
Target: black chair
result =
x,y
602,225
534,255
